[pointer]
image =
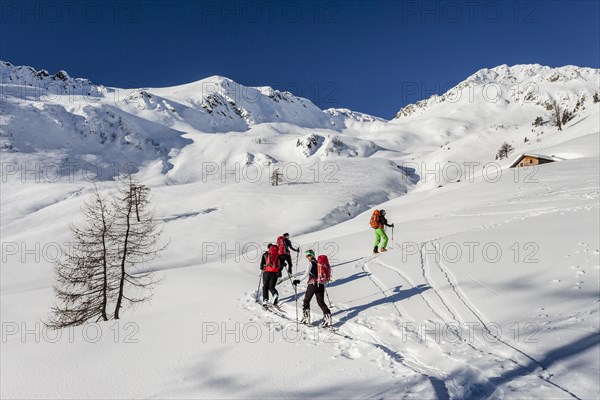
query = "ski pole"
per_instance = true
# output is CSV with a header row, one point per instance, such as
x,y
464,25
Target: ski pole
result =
x,y
258,289
327,294
296,293
392,233
290,276
297,257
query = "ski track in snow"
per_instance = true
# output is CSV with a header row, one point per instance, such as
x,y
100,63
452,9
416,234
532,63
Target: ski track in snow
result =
x,y
544,375
478,385
444,385
459,296
361,334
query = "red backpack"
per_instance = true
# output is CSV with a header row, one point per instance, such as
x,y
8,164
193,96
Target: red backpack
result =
x,y
281,245
272,264
323,269
375,220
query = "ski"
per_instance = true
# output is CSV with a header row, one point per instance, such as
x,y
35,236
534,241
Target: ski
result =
x,y
336,331
283,314
333,329
277,310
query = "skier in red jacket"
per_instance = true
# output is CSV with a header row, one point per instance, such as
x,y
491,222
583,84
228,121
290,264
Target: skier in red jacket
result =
x,y
271,270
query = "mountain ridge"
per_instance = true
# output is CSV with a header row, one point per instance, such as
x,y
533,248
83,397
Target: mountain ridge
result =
x,y
519,79
145,125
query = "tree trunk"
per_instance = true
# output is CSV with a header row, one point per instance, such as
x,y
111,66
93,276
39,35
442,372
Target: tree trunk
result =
x,y
124,257
105,267
557,116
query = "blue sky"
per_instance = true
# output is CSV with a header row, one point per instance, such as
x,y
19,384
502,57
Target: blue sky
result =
x,y
370,56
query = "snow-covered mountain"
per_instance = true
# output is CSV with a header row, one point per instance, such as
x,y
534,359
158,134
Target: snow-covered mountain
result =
x,y
524,85
218,104
27,82
213,104
514,104
81,120
208,150
355,115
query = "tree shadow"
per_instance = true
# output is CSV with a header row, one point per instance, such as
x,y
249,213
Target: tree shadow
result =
x,y
346,262
296,183
397,295
174,217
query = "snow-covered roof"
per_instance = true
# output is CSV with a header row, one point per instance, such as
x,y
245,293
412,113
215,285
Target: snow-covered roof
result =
x,y
541,156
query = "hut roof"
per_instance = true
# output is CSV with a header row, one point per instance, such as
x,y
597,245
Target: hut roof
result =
x,y
540,156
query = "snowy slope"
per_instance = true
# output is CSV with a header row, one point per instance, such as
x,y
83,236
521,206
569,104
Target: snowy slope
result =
x,y
552,303
413,320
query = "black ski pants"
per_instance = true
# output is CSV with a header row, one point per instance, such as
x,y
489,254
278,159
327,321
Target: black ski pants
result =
x,y
286,259
269,282
319,291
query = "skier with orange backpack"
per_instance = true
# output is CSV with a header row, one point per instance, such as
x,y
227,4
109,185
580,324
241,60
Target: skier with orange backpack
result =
x,y
319,273
379,222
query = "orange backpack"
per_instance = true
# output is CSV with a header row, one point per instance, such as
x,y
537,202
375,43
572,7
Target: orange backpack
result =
x,y
375,220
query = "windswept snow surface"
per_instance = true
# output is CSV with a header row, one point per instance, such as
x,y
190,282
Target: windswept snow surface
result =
x,y
490,288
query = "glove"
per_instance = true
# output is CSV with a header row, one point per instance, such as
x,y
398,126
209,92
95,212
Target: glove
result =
x,y
297,250
296,282
392,225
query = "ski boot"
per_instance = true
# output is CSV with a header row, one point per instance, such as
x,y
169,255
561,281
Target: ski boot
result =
x,y
382,250
306,317
327,323
279,278
375,250
276,300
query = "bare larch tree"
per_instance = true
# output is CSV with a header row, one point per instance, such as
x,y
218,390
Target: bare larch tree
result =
x,y
504,151
556,115
101,269
276,177
85,281
135,233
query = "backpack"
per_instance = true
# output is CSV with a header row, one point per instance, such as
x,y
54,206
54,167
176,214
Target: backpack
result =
x,y
375,220
323,269
281,245
272,264
263,260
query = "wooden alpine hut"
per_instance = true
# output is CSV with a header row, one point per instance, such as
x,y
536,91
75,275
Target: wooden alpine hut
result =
x,y
527,160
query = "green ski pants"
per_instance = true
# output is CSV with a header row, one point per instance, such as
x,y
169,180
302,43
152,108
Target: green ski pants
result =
x,y
380,235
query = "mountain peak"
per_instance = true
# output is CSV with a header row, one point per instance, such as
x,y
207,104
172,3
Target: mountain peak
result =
x,y
529,72
517,83
218,79
58,83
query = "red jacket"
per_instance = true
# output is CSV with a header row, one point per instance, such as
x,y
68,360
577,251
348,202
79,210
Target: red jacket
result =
x,y
272,264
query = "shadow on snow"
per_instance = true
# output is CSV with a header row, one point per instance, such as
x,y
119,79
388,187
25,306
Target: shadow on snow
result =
x,y
396,295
